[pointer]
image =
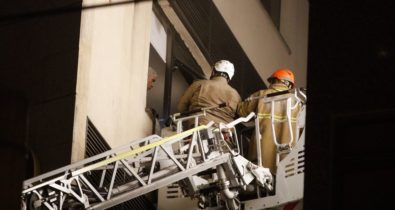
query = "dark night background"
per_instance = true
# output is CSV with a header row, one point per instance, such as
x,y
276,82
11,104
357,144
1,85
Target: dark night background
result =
x,y
350,149
350,124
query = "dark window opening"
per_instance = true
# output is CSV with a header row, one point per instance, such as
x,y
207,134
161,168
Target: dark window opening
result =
x,y
175,74
273,7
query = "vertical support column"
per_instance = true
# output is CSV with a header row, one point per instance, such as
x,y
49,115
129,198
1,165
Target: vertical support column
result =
x,y
168,74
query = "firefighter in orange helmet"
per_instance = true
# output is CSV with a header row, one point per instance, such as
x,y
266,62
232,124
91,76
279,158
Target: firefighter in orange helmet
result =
x,y
281,80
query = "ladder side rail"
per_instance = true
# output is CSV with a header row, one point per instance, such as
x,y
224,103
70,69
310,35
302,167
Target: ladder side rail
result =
x,y
149,159
133,152
62,177
68,177
85,161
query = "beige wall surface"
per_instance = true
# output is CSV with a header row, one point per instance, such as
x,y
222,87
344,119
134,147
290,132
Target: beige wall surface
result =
x,y
112,73
267,47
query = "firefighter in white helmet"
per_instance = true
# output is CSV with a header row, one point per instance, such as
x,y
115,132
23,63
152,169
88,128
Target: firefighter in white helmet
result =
x,y
208,93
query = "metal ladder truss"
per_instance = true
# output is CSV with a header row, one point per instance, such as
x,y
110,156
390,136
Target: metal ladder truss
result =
x,y
147,165
73,183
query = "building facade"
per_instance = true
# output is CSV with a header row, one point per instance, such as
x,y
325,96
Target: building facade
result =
x,y
73,64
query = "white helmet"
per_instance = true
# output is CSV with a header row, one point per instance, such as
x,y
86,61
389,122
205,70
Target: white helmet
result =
x,y
226,67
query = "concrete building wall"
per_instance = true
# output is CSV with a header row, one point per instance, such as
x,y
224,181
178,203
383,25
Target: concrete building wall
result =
x,y
112,73
267,47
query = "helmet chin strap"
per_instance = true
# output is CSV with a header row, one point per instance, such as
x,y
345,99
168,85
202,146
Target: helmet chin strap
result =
x,y
287,83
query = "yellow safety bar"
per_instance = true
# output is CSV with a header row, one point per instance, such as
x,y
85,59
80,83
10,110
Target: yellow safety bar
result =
x,y
137,150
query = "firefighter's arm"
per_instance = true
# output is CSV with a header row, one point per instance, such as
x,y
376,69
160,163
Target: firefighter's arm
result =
x,y
247,106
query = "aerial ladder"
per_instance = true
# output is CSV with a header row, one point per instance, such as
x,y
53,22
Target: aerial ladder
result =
x,y
205,161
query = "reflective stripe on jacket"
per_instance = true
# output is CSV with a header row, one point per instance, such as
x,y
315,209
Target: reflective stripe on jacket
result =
x,y
263,111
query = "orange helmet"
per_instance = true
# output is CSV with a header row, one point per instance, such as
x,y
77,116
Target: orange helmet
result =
x,y
283,74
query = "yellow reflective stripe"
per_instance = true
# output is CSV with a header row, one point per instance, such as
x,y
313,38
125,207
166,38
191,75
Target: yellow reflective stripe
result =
x,y
137,150
276,117
242,107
